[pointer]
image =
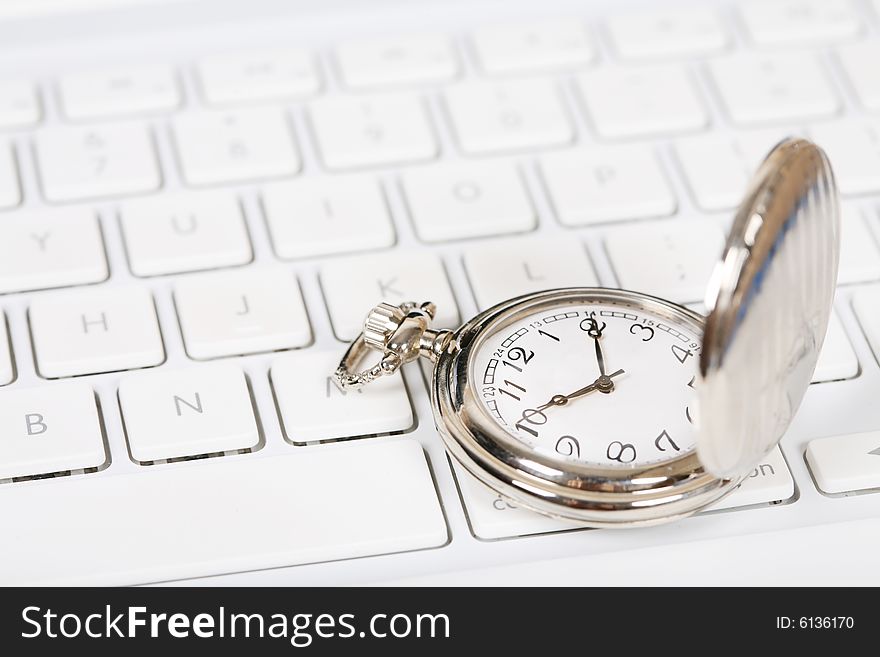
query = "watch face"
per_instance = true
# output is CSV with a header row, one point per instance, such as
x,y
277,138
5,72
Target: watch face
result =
x,y
605,383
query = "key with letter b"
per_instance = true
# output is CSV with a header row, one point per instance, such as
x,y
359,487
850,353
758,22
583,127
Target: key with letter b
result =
x,y
49,429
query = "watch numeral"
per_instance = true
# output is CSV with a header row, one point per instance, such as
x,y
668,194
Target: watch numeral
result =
x,y
518,353
592,327
663,435
548,335
568,446
531,416
621,452
516,367
642,329
691,382
687,414
512,385
681,354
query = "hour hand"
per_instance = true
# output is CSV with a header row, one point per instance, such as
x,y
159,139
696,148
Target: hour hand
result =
x,y
603,384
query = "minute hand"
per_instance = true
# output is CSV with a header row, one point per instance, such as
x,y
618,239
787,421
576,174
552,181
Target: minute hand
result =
x,y
600,358
595,332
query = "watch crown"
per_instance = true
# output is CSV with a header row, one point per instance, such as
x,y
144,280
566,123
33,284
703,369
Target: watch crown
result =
x,y
381,323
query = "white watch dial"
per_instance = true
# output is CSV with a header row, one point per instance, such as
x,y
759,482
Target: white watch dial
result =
x,y
541,379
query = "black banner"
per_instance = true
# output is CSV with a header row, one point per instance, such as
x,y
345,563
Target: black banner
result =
x,y
336,621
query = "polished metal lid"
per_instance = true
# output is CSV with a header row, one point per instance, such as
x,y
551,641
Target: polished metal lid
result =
x,y
769,301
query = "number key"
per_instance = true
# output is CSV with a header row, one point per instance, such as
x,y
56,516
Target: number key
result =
x,y
218,147
98,161
491,118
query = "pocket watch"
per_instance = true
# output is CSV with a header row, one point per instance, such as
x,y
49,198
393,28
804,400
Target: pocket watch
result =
x,y
613,408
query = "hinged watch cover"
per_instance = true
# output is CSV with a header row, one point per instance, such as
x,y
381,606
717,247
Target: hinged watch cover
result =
x,y
769,302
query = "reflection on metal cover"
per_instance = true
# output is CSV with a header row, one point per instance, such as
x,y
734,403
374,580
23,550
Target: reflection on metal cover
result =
x,y
769,301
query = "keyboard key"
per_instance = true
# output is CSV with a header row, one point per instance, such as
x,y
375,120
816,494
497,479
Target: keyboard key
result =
x,y
51,248
866,303
49,429
455,201
606,184
7,367
314,409
719,167
858,62
541,45
639,101
354,285
859,256
258,75
776,22
91,331
252,513
241,312
503,116
118,92
10,192
421,58
845,463
19,104
235,146
837,360
769,482
372,130
507,269
492,517
97,161
184,232
320,215
672,260
854,148
665,32
773,87
176,413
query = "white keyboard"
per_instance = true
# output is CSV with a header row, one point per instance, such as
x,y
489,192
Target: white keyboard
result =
x,y
189,234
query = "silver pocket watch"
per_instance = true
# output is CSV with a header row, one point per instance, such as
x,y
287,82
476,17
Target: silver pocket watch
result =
x,y
613,408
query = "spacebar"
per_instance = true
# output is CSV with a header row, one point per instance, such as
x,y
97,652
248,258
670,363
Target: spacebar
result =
x,y
220,515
